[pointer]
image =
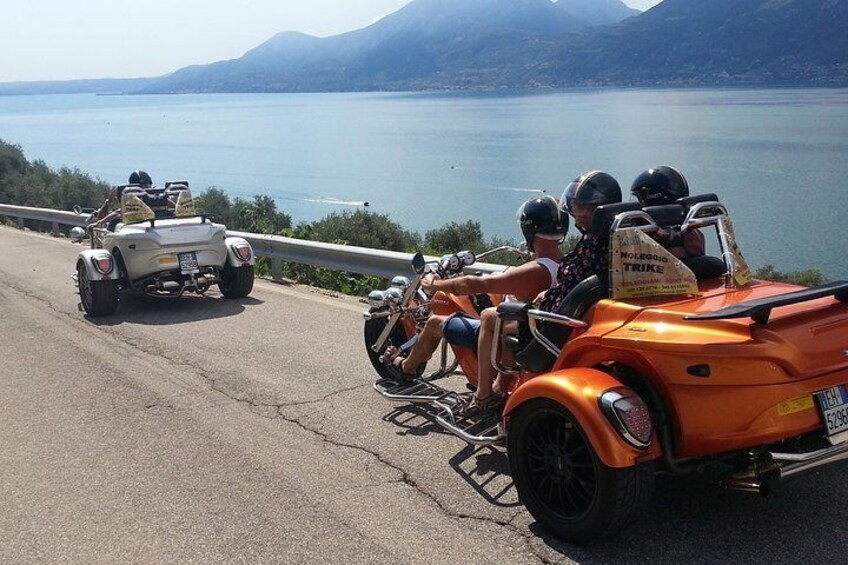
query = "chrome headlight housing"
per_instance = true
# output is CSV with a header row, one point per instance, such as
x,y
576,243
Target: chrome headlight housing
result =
x,y
393,295
467,258
376,299
400,282
77,233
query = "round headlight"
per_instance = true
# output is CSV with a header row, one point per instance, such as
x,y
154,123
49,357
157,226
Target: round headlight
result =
x,y
77,233
376,299
467,257
400,282
393,295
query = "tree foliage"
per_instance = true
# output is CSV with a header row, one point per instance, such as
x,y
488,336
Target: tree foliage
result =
x,y
364,229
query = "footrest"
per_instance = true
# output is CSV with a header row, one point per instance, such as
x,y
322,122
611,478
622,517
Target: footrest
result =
x,y
414,390
484,428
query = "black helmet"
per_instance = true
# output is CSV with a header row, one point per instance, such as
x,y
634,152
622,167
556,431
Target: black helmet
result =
x,y
540,216
141,178
660,185
595,187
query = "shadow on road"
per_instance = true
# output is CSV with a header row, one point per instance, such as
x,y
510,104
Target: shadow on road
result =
x,y
414,420
149,310
488,475
693,520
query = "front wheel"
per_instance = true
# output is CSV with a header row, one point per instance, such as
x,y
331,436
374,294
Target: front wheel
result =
x,y
561,480
99,298
236,282
373,328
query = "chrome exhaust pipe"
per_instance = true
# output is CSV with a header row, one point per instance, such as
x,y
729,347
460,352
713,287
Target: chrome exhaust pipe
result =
x,y
783,466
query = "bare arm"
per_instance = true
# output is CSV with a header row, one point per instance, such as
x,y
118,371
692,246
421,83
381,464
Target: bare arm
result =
x,y
526,281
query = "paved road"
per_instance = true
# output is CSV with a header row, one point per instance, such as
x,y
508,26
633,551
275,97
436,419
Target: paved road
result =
x,y
203,430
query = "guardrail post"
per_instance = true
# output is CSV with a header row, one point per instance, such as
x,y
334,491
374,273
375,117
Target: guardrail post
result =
x,y
55,228
277,269
20,222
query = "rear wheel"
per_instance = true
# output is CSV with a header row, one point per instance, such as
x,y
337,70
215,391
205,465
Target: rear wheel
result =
x,y
373,329
561,480
99,298
236,282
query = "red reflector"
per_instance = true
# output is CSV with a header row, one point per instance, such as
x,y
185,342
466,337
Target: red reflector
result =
x,y
105,265
242,252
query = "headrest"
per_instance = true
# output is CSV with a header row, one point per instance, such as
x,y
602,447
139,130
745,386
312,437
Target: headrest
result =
x,y
689,201
666,215
604,215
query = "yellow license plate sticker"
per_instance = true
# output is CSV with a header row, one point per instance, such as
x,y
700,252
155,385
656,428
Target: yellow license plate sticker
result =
x,y
167,260
797,404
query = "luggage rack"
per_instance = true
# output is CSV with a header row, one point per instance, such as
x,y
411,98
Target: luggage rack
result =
x,y
480,429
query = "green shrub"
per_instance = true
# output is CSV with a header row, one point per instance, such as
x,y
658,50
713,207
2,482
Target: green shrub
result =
x,y
810,277
454,237
364,229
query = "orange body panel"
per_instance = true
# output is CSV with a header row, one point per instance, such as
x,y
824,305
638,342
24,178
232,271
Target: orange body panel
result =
x,y
760,376
579,391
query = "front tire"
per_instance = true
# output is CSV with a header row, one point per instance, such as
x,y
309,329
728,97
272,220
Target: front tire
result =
x,y
99,298
236,282
373,329
561,480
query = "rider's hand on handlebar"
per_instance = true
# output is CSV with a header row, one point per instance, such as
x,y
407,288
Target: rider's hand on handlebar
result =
x,y
427,282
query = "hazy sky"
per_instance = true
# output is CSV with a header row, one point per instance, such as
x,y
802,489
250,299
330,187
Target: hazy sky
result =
x,y
60,39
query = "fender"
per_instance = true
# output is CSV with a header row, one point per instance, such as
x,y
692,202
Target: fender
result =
x,y
579,391
93,274
234,261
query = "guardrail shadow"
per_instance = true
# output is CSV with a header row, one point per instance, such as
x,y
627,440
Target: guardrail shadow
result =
x,y
154,311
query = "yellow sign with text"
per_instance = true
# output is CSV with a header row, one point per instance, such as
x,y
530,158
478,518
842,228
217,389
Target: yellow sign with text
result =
x,y
642,267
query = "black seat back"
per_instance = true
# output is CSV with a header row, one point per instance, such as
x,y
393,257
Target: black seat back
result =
x,y
604,216
576,303
689,201
667,215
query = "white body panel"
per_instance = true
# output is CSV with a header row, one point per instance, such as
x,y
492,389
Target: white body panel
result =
x,y
147,250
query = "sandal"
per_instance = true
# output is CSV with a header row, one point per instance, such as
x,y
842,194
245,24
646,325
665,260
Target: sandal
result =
x,y
493,402
393,362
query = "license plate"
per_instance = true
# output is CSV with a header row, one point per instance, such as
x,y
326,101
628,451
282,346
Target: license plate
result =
x,y
833,405
188,263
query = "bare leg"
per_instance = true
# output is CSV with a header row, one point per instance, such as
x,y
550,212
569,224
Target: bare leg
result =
x,y
428,342
486,373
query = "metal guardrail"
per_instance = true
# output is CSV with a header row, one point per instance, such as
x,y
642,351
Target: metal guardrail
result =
x,y
348,258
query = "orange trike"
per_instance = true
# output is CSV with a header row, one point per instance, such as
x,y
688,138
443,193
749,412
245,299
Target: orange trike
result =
x,y
665,365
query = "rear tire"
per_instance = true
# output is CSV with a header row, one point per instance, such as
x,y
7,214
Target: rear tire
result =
x,y
561,480
236,282
373,329
99,298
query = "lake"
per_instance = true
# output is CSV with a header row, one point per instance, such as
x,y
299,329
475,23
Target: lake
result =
x,y
778,158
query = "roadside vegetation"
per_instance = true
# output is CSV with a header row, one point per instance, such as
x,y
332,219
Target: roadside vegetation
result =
x,y
25,183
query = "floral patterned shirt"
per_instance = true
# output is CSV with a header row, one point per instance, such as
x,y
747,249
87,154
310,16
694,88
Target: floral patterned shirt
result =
x,y
589,257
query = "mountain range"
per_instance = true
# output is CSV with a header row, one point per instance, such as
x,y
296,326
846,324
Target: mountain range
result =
x,y
487,44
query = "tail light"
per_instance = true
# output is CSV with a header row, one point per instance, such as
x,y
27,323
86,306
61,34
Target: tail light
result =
x,y
102,264
242,251
629,415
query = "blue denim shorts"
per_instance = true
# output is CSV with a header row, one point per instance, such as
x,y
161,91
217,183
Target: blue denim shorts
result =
x,y
462,330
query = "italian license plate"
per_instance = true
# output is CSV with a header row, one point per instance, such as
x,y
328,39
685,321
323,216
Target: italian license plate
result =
x,y
188,263
833,405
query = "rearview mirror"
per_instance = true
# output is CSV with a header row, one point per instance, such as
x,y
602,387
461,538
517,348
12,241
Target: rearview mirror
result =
x,y
418,263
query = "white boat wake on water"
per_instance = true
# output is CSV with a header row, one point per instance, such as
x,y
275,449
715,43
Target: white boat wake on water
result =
x,y
337,202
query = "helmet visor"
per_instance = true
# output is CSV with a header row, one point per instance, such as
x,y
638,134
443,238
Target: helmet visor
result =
x,y
568,196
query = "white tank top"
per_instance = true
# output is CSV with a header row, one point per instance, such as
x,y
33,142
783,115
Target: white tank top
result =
x,y
552,267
